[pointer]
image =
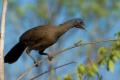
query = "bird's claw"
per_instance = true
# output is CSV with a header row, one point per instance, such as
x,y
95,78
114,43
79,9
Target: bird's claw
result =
x,y
36,62
50,57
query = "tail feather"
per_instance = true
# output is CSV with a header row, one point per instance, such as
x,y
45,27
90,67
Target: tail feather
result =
x,y
14,53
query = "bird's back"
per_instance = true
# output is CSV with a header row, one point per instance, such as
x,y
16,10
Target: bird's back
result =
x,y
35,32
42,34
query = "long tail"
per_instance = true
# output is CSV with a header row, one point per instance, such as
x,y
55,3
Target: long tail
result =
x,y
14,53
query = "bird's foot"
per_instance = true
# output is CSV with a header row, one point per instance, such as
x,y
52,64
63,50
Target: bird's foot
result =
x,y
50,56
42,53
28,50
36,62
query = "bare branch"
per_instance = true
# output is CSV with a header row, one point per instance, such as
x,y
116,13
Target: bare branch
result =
x,y
82,44
78,44
27,72
4,11
49,70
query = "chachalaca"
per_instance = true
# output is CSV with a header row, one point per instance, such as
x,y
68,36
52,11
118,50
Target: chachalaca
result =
x,y
39,38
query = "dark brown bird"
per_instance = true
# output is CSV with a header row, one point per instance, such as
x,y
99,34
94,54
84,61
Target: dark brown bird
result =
x,y
40,38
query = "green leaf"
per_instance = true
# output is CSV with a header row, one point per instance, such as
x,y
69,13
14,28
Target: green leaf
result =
x,y
102,62
91,72
102,50
114,58
116,53
118,43
79,76
110,65
68,77
59,78
81,69
95,67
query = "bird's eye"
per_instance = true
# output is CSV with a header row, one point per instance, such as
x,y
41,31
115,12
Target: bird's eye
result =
x,y
81,22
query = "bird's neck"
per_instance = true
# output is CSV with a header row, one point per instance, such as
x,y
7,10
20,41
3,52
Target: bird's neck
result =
x,y
64,27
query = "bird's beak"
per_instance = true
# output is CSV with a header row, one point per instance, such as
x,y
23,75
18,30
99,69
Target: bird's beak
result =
x,y
83,27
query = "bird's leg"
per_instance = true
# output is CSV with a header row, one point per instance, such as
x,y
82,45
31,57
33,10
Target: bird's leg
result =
x,y
28,50
48,55
42,53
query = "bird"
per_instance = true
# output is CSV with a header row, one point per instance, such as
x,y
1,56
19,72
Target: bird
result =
x,y
40,38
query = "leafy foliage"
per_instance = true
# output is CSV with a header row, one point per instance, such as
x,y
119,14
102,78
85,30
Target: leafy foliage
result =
x,y
108,56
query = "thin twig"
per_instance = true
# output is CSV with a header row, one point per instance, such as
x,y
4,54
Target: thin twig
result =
x,y
27,72
54,69
59,52
81,44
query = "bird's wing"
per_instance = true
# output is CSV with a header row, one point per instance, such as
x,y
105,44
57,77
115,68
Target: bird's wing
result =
x,y
33,36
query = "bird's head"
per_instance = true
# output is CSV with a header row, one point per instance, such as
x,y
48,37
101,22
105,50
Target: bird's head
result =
x,y
79,23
